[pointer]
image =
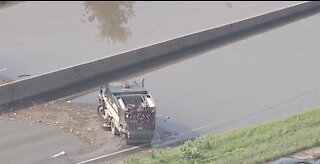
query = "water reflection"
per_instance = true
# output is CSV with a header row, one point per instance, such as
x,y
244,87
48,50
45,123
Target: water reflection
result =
x,y
112,18
6,4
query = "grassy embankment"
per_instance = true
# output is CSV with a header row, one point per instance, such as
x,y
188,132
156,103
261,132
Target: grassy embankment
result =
x,y
253,144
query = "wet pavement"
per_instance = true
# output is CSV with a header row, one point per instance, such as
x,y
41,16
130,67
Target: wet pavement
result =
x,y
24,143
257,79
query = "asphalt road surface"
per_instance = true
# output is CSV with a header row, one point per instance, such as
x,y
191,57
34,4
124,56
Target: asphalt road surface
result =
x,y
23,143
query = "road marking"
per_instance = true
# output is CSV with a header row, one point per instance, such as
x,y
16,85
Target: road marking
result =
x,y
108,155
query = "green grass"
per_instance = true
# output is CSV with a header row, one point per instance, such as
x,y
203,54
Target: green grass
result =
x,y
253,144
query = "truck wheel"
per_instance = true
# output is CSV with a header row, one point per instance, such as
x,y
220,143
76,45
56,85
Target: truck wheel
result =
x,y
128,141
114,129
100,110
122,136
107,125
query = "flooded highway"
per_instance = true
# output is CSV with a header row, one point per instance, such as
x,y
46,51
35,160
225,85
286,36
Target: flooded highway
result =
x,y
254,80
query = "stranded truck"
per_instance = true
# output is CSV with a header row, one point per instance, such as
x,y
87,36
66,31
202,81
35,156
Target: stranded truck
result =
x,y
128,110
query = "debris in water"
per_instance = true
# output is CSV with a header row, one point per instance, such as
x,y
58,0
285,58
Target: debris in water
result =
x,y
59,154
24,75
34,103
69,101
229,5
167,118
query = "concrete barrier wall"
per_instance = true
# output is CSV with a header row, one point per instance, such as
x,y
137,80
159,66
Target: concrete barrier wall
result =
x,y
86,76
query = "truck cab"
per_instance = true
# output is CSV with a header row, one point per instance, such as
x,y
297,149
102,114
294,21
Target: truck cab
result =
x,y
128,110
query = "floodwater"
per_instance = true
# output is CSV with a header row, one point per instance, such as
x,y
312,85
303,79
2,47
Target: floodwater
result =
x,y
237,85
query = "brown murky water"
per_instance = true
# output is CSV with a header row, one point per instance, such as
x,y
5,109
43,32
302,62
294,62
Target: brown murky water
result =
x,y
214,89
56,35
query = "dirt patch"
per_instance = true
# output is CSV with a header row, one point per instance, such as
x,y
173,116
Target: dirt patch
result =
x,y
312,153
3,80
79,120
6,4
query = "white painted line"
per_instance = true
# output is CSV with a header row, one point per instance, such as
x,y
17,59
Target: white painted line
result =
x,y
107,155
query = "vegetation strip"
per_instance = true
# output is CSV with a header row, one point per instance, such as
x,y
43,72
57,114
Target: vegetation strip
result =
x,y
253,144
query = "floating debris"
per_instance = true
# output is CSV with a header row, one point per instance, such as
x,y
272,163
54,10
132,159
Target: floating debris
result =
x,y
3,69
24,75
59,154
167,118
229,5
34,103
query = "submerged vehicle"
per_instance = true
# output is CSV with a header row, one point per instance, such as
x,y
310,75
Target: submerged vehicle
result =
x,y
128,110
